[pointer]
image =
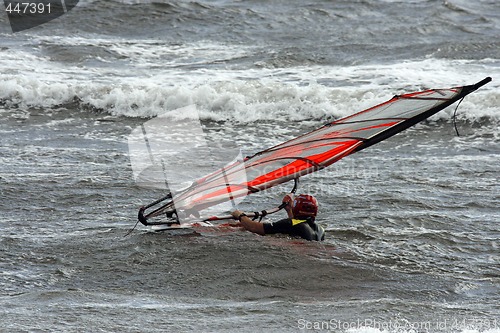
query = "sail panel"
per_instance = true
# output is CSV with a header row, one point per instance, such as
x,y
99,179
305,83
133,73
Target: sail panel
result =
x,y
314,150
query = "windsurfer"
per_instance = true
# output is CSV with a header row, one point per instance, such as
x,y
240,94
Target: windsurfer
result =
x,y
301,210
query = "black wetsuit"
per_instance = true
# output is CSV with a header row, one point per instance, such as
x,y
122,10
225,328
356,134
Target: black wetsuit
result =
x,y
305,228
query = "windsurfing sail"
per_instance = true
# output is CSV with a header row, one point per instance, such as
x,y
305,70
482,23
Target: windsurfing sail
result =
x,y
308,153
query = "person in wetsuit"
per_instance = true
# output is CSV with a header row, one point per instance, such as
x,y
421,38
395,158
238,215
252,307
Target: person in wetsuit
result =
x,y
301,210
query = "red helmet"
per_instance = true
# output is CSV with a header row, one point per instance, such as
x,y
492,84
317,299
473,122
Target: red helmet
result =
x,y
304,205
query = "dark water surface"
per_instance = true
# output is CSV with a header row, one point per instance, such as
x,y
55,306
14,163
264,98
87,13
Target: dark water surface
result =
x,y
412,223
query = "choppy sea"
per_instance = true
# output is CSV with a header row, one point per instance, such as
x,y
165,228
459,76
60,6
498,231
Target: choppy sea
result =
x,y
413,223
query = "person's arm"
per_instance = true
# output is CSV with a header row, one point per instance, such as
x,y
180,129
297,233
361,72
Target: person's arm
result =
x,y
248,224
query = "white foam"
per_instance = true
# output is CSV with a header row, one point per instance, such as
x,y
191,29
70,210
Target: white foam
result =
x,y
149,78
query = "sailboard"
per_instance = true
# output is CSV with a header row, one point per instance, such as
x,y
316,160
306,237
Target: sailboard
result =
x,y
300,156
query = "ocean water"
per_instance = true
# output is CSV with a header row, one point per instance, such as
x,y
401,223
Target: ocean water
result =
x,y
412,223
